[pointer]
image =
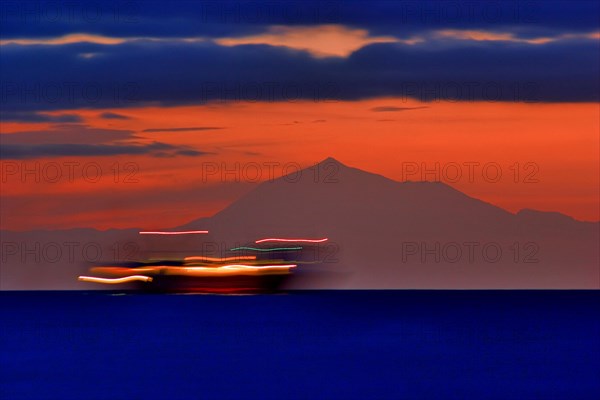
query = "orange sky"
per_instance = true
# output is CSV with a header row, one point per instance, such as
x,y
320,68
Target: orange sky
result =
x,y
557,143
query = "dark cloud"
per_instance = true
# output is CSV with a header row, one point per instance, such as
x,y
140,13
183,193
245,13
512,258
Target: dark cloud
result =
x,y
111,115
69,133
190,152
190,129
17,116
236,18
141,74
29,151
395,109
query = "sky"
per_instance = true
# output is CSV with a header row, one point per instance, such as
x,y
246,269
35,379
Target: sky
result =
x,y
152,114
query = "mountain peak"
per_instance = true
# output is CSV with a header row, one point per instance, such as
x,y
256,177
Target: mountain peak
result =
x,y
330,161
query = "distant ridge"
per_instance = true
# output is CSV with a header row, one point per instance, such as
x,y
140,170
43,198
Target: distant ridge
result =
x,y
382,234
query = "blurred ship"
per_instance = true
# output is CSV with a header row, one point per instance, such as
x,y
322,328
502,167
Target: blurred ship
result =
x,y
197,275
200,274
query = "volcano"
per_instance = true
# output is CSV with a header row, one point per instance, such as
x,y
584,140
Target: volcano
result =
x,y
382,234
389,234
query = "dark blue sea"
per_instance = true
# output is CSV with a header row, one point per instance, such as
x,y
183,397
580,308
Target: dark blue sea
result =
x,y
301,345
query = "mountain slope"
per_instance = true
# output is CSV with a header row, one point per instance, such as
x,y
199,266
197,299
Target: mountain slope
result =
x,y
400,234
382,234
332,196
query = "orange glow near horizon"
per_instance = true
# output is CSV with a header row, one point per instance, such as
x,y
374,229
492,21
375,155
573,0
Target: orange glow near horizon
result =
x,y
67,39
548,155
320,41
482,35
325,40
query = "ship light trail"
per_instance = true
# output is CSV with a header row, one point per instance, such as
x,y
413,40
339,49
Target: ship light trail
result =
x,y
131,278
171,233
236,266
232,270
200,258
292,240
272,249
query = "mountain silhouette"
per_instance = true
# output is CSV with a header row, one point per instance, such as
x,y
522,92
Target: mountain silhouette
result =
x,y
376,223
333,197
388,234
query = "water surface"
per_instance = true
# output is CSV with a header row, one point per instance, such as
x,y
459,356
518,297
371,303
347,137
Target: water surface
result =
x,y
305,345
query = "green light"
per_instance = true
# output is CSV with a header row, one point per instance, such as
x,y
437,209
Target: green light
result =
x,y
273,249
